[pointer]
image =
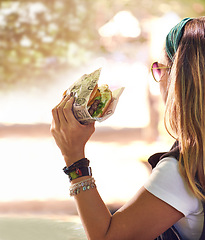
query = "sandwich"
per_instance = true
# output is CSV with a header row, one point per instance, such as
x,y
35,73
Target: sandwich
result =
x,y
99,101
93,103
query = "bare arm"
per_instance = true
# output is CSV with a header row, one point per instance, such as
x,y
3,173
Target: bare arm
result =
x,y
143,217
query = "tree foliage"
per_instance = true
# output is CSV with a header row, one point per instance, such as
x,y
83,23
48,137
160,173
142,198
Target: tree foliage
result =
x,y
38,38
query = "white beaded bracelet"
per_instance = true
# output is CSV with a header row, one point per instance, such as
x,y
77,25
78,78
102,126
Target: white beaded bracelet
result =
x,y
86,185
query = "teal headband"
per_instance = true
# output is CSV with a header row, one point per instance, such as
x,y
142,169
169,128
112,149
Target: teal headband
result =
x,y
174,36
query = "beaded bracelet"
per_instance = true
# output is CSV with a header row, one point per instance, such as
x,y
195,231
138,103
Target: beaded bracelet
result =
x,y
85,185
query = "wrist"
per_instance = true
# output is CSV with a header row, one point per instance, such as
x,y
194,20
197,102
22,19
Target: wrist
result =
x,y
70,159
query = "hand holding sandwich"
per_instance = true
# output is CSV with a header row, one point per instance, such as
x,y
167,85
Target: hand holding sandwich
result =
x,y
73,121
69,134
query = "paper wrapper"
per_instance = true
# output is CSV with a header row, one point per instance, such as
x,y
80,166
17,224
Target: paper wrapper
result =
x,y
82,90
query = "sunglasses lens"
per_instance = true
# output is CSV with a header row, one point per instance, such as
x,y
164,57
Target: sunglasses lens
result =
x,y
156,71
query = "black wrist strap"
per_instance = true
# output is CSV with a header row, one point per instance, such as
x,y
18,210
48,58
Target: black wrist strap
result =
x,y
84,162
80,172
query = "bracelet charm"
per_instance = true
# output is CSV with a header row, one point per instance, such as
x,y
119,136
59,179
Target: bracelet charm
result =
x,y
85,185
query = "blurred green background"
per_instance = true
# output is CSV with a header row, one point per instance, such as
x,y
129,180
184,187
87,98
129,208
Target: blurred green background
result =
x,y
41,38
44,47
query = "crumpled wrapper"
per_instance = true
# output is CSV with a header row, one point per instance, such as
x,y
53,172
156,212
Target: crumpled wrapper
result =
x,y
82,90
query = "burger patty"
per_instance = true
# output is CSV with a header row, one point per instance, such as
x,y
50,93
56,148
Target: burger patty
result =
x,y
94,107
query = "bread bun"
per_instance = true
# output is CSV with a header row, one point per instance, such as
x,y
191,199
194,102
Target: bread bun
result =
x,y
95,93
92,95
100,101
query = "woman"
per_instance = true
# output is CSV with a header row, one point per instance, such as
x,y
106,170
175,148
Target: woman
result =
x,y
174,192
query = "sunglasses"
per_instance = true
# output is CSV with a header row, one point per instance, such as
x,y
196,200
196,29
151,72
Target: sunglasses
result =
x,y
156,71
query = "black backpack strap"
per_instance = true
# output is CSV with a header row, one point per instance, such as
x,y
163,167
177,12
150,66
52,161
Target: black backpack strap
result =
x,y
174,151
170,234
203,232
154,159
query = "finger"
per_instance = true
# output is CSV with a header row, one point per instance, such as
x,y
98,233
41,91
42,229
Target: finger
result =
x,y
68,113
53,127
55,122
60,109
64,100
65,94
92,127
55,114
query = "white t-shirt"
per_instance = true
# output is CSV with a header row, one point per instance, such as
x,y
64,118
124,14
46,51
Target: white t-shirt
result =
x,y
166,183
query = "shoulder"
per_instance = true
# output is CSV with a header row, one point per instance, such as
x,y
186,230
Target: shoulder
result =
x,y
166,183
168,163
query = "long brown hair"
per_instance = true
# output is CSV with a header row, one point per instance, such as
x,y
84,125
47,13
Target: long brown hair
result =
x,y
185,106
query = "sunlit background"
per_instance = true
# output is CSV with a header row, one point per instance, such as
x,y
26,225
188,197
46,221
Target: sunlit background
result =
x,y
47,45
